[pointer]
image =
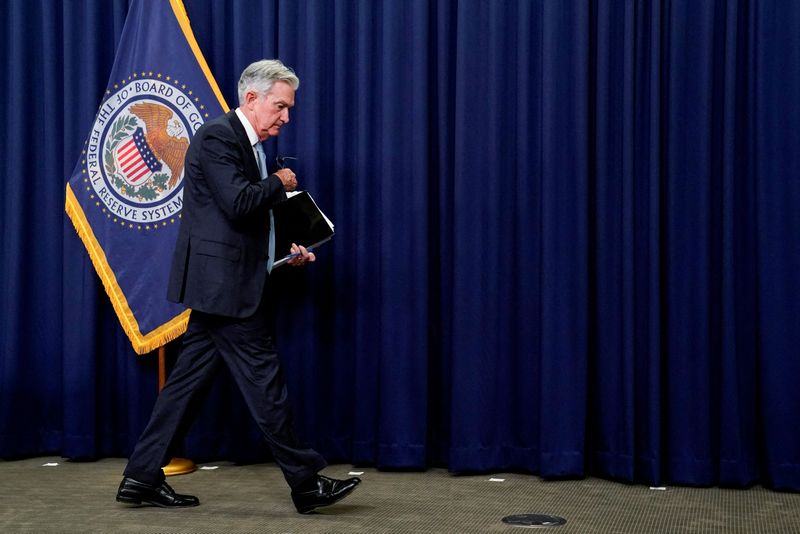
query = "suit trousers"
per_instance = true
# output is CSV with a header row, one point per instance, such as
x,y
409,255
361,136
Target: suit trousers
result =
x,y
247,347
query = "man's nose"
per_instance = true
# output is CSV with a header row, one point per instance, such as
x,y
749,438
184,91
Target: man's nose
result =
x,y
285,116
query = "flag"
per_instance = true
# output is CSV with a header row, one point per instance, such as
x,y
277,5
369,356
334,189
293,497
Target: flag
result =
x,y
126,192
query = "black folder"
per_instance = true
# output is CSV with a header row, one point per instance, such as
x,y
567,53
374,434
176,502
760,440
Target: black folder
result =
x,y
299,220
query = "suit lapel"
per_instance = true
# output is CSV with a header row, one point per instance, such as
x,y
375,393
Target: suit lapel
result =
x,y
250,164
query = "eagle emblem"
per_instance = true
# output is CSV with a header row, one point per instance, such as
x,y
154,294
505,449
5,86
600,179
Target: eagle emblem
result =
x,y
145,162
136,150
162,138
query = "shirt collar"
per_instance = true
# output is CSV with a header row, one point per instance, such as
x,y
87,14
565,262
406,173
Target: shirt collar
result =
x,y
251,132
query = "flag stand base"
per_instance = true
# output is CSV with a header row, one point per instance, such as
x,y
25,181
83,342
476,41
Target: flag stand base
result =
x,y
179,466
176,466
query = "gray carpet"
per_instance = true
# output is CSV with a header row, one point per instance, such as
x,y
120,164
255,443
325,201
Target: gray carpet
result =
x,y
79,497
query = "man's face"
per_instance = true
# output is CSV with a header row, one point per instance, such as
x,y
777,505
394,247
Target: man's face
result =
x,y
270,111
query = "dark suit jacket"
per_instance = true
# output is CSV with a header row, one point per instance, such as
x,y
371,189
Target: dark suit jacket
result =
x,y
220,259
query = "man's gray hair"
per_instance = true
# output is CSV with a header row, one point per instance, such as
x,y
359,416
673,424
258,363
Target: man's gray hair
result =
x,y
260,76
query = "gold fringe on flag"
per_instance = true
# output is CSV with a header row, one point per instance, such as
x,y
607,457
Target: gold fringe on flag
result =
x,y
142,344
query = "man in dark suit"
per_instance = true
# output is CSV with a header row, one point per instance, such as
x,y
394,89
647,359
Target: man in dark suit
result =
x,y
220,270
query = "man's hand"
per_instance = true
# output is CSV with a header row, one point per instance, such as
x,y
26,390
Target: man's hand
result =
x,y
303,256
288,179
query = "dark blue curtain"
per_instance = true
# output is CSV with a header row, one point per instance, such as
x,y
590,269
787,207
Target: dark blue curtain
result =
x,y
567,237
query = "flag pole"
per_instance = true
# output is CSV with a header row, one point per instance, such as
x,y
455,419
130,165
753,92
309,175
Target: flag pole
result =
x,y
176,466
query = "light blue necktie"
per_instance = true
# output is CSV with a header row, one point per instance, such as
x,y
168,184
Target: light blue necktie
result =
x,y
262,169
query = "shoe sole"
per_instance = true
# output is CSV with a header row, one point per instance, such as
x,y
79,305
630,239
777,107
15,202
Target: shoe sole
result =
x,y
140,502
128,500
340,499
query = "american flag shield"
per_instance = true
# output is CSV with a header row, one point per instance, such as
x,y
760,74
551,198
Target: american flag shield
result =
x,y
135,160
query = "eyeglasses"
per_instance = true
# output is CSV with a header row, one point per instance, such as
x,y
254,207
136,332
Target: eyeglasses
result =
x,y
281,161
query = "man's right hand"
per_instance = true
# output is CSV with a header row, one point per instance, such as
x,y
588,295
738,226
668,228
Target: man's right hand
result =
x,y
288,179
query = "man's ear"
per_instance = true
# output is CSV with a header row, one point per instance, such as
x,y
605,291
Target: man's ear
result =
x,y
250,97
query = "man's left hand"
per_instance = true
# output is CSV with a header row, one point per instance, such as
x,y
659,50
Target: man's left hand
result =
x,y
303,256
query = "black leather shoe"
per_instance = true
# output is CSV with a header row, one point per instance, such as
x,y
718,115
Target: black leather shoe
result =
x,y
326,492
134,492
